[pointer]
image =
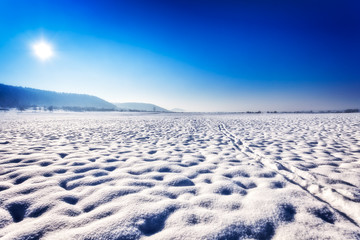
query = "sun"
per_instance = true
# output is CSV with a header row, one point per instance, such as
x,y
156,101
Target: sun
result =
x,y
43,50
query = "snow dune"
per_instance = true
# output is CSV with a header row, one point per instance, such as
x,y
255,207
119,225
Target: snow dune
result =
x,y
179,176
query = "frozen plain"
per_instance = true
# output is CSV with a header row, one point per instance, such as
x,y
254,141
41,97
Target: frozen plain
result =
x,y
179,176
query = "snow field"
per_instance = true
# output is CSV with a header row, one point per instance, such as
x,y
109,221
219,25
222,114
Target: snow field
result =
x,y
179,176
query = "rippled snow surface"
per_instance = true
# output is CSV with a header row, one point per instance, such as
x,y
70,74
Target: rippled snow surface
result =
x,y
179,176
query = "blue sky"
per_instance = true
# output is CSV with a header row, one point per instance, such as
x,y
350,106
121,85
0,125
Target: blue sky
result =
x,y
199,55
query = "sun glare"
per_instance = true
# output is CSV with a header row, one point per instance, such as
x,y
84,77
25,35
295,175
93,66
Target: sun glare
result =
x,y
43,50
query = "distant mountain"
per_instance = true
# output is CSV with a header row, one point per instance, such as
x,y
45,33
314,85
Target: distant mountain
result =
x,y
133,106
177,110
11,96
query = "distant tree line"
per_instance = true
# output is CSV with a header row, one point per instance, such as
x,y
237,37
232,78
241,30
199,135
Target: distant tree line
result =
x,y
352,110
22,108
65,108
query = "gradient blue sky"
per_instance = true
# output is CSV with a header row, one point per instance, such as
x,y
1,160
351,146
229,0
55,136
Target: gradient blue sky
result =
x,y
199,55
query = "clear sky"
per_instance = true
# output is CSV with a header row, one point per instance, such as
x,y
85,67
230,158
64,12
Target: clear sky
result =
x,y
198,55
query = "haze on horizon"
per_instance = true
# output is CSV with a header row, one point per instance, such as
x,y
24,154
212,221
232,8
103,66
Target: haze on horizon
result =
x,y
195,55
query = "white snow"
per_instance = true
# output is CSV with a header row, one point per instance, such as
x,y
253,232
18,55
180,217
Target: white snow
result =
x,y
179,176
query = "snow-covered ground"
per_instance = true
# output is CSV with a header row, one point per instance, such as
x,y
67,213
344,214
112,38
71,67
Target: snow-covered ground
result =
x,y
179,176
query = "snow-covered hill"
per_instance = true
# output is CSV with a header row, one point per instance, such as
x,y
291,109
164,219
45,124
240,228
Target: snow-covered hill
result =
x,y
146,107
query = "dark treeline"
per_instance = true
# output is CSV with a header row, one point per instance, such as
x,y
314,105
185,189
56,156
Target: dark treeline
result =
x,y
70,109
25,98
350,110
